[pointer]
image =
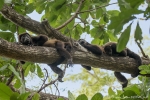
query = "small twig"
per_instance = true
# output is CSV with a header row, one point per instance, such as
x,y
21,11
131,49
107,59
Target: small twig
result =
x,y
12,76
142,51
10,79
22,74
97,8
44,79
83,21
52,82
72,17
57,90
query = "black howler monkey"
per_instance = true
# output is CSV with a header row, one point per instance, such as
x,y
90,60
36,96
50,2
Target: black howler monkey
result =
x,y
110,49
98,50
63,49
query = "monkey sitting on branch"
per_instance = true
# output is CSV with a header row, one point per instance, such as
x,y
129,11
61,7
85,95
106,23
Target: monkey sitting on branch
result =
x,y
110,49
63,49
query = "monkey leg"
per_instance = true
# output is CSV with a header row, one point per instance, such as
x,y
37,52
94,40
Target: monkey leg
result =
x,y
68,46
121,79
63,52
58,71
86,67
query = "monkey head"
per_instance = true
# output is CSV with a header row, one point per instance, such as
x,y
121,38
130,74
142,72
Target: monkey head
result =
x,y
25,39
83,42
108,50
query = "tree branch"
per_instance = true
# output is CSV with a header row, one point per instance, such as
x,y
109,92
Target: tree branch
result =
x,y
49,55
31,25
97,8
71,18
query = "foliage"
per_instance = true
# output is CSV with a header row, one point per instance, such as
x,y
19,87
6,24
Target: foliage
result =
x,y
93,18
93,81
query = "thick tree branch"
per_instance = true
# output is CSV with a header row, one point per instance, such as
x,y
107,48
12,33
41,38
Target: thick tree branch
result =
x,y
32,25
49,55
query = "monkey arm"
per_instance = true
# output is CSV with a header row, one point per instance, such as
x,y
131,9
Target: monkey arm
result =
x,y
94,49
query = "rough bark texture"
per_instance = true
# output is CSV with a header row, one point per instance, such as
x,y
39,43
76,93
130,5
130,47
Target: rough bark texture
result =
x,y
32,25
49,55
46,96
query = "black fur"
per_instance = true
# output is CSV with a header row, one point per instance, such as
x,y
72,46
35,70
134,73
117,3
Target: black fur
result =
x,y
93,48
110,49
97,50
25,39
60,46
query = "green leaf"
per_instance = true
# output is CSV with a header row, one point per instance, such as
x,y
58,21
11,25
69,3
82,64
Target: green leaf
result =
x,y
95,41
40,8
1,4
135,3
60,98
123,40
36,97
138,33
106,19
5,92
14,71
111,92
123,5
129,94
99,13
17,84
134,88
113,13
82,97
12,28
4,67
96,32
39,71
7,36
58,4
94,23
70,96
24,96
29,8
32,67
92,15
27,71
97,96
14,96
111,36
21,30
22,88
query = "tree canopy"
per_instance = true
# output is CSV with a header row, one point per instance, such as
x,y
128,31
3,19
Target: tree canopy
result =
x,y
67,20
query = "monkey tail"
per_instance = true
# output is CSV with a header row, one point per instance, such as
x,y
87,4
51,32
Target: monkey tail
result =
x,y
121,79
137,58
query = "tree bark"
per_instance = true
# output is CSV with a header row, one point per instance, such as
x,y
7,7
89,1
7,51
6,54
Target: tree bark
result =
x,y
48,55
32,25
